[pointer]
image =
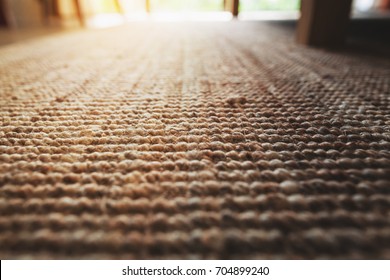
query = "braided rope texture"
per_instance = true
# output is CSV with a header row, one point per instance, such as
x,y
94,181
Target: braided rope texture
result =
x,y
192,141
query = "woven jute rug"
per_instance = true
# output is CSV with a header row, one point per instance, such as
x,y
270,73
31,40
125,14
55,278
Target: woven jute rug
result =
x,y
192,140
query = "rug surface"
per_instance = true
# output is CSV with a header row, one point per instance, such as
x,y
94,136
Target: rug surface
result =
x,y
193,140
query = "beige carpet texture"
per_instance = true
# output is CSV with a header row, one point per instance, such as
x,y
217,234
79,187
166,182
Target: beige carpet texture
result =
x,y
192,141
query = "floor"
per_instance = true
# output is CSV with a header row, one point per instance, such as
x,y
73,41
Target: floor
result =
x,y
193,141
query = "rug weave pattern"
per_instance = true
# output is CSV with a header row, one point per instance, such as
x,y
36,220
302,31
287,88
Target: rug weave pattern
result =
x,y
221,140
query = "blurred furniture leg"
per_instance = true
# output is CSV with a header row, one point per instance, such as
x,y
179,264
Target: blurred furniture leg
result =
x,y
119,7
232,6
7,17
147,6
79,12
323,23
3,17
47,11
385,5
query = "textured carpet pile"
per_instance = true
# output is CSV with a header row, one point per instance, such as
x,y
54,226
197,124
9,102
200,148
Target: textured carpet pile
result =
x,y
208,140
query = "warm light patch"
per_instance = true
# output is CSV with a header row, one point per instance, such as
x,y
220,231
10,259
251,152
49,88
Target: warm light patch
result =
x,y
105,20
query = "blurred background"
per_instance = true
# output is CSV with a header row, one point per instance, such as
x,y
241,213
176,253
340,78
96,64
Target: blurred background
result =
x,y
23,19
103,13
